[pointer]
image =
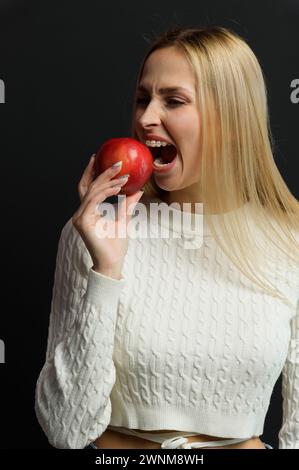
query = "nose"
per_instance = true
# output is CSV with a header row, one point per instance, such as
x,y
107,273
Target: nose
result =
x,y
150,116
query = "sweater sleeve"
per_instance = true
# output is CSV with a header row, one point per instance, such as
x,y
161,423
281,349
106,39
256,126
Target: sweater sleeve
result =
x,y
72,395
289,433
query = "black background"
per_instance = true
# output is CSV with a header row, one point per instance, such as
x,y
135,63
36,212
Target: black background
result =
x,y
69,69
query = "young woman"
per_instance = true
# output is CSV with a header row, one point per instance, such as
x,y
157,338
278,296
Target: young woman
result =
x,y
153,343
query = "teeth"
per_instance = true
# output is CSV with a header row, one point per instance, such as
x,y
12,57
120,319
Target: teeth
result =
x,y
159,162
156,143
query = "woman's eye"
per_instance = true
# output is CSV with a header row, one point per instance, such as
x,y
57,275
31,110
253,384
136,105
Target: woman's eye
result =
x,y
174,102
170,101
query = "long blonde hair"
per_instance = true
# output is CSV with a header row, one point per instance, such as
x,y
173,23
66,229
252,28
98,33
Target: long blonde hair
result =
x,y
237,163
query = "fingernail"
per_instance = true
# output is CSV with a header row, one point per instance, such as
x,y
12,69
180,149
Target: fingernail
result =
x,y
117,164
124,177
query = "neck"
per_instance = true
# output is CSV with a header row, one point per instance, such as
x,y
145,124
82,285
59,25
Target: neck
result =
x,y
182,197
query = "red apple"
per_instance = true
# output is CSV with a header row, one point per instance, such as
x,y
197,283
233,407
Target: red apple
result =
x,y
136,157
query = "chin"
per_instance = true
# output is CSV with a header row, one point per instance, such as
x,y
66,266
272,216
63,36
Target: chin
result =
x,y
165,187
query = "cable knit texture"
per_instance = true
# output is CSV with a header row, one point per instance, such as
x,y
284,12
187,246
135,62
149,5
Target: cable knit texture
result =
x,y
182,341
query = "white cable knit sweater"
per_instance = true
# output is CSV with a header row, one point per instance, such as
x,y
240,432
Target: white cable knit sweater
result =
x,y
183,341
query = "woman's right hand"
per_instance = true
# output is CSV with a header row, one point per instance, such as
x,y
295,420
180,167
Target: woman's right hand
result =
x,y
107,253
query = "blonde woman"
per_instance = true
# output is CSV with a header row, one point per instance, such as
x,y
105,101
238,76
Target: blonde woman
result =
x,y
155,344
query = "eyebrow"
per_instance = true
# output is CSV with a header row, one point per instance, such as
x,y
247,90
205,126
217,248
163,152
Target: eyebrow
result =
x,y
166,90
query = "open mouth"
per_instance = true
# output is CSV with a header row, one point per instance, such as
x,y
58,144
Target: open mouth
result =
x,y
163,155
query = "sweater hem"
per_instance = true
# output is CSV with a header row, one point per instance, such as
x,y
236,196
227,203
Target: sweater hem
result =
x,y
204,421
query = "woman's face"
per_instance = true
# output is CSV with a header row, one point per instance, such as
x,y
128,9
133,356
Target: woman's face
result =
x,y
172,115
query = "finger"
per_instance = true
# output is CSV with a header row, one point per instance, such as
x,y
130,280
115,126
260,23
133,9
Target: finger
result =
x,y
87,177
104,177
90,204
94,189
109,173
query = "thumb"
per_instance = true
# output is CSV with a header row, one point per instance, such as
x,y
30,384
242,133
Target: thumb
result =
x,y
127,205
132,201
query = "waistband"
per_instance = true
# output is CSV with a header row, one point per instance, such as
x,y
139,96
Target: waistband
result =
x,y
176,439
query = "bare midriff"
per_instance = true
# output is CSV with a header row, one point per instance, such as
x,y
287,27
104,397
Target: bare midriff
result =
x,y
115,440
